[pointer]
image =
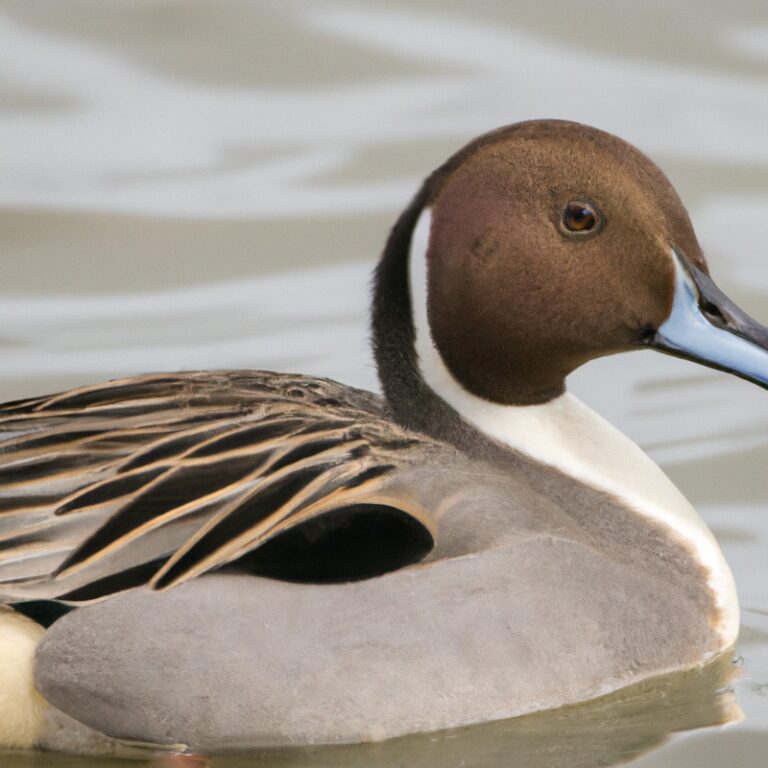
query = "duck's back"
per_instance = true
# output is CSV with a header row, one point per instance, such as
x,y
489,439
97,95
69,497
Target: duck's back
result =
x,y
163,477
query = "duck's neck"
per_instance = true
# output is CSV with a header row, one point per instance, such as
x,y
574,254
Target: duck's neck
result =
x,y
422,394
413,403
563,433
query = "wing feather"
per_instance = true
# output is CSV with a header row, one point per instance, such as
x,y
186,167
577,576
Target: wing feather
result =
x,y
159,479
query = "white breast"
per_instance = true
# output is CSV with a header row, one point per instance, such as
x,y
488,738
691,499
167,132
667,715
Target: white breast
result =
x,y
566,434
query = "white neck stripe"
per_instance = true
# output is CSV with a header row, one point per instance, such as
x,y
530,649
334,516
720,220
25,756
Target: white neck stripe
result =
x,y
566,434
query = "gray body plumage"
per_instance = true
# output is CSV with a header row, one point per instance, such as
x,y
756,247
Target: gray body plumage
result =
x,y
236,661
538,591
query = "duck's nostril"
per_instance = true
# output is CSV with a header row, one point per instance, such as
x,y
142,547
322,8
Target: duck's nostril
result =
x,y
712,312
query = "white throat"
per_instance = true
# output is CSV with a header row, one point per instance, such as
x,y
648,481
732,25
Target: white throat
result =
x,y
566,434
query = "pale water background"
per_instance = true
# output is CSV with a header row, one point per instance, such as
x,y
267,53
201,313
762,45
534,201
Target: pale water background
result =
x,y
200,184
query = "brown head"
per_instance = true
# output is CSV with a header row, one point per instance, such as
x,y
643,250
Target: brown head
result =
x,y
550,243
550,246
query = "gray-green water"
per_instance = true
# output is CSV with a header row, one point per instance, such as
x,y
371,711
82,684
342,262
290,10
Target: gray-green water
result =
x,y
200,184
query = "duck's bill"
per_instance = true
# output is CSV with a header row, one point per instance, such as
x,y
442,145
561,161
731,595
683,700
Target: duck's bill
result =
x,y
707,327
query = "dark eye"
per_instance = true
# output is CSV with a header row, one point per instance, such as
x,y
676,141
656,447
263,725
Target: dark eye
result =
x,y
580,217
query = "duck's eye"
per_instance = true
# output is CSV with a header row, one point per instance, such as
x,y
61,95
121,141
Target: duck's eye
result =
x,y
580,217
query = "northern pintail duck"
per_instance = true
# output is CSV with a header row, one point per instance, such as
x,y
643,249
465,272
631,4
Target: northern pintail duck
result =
x,y
272,559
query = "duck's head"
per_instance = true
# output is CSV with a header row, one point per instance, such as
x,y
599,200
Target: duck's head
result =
x,y
539,247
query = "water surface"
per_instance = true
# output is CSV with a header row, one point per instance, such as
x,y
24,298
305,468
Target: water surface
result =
x,y
207,184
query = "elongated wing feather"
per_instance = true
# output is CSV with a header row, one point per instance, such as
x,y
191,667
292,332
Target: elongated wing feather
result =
x,y
161,478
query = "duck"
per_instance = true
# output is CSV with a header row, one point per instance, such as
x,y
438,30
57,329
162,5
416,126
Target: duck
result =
x,y
238,559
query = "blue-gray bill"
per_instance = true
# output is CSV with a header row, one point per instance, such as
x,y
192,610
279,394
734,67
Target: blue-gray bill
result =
x,y
705,326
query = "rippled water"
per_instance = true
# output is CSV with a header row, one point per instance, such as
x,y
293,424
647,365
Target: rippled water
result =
x,y
200,184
